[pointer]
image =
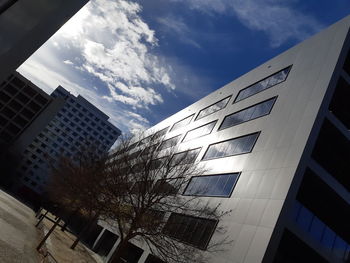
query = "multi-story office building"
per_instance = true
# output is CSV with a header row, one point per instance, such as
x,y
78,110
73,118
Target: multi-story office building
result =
x,y
76,123
24,110
25,25
276,142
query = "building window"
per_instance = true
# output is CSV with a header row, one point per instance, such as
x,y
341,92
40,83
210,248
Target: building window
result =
x,y
247,114
264,84
160,133
195,231
213,108
200,131
132,146
212,185
169,142
182,123
240,145
185,157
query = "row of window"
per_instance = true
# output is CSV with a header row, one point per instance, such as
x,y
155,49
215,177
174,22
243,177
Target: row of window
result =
x,y
250,113
239,145
253,89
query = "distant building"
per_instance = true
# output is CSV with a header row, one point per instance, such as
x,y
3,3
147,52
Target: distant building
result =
x,y
24,111
26,24
276,144
76,123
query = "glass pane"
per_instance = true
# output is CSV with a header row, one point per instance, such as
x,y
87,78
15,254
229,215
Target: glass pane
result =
x,y
232,147
245,144
339,247
263,84
181,123
317,228
201,131
208,230
220,185
211,109
328,238
247,114
232,178
304,219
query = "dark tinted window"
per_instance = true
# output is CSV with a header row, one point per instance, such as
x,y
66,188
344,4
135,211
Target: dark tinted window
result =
x,y
212,185
195,231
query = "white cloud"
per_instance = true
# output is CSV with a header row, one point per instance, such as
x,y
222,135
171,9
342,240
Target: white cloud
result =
x,y
116,48
49,79
278,19
177,26
113,64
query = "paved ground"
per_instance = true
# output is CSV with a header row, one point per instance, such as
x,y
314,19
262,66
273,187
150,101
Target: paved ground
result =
x,y
58,245
18,236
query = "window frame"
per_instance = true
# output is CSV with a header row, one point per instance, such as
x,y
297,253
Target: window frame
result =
x,y
273,104
172,127
187,151
160,145
209,175
258,133
290,68
215,122
216,222
198,118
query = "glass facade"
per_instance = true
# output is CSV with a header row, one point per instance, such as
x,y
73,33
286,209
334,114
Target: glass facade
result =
x,y
319,231
251,113
195,231
200,131
213,108
264,84
231,147
212,185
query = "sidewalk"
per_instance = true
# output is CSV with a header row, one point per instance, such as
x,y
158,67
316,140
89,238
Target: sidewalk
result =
x,y
18,236
58,244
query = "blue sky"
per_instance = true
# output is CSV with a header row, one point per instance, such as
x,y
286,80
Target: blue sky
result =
x,y
142,61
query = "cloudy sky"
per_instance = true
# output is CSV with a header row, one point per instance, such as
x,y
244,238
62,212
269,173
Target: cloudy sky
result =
x,y
142,61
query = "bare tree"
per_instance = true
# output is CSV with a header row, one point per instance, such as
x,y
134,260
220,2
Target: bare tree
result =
x,y
143,184
76,183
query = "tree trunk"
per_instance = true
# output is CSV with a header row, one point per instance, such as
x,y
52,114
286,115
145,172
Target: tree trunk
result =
x,y
48,234
120,250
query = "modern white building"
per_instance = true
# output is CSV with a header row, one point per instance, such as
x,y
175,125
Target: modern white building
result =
x,y
26,24
76,123
277,144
